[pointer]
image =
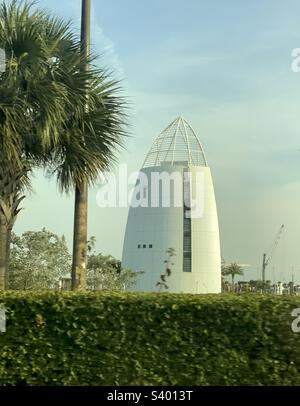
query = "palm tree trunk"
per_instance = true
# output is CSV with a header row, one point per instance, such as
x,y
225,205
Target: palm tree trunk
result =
x,y
3,251
81,191
232,281
8,240
80,239
12,178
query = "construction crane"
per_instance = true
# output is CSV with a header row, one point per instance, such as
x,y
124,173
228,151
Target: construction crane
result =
x,y
267,259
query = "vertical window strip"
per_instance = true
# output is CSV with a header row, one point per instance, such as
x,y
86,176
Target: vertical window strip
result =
x,y
187,226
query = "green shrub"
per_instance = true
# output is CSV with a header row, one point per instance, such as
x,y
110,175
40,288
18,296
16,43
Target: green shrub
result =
x,y
148,339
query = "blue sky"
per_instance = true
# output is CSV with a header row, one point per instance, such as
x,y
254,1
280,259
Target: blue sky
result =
x,y
226,67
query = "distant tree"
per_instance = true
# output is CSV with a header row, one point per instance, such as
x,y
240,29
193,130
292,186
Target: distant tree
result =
x,y
39,259
232,269
104,272
224,282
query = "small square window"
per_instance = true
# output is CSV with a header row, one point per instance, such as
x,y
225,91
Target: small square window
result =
x,y
139,246
150,245
144,245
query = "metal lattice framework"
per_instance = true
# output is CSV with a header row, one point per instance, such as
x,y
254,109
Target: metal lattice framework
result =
x,y
177,144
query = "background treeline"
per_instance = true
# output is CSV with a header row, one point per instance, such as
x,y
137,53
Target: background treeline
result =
x,y
41,260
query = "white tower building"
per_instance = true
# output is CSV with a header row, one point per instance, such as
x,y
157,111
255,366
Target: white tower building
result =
x,y
173,206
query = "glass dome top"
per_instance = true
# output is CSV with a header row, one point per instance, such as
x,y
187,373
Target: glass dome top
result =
x,y
176,145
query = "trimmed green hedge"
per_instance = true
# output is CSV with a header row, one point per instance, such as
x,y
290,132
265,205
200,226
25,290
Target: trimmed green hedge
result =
x,y
148,339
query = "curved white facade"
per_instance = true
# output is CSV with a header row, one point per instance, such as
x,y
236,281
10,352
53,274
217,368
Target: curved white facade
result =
x,y
184,219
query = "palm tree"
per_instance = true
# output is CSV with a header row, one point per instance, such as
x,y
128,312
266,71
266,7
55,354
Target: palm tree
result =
x,y
44,80
87,147
232,269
